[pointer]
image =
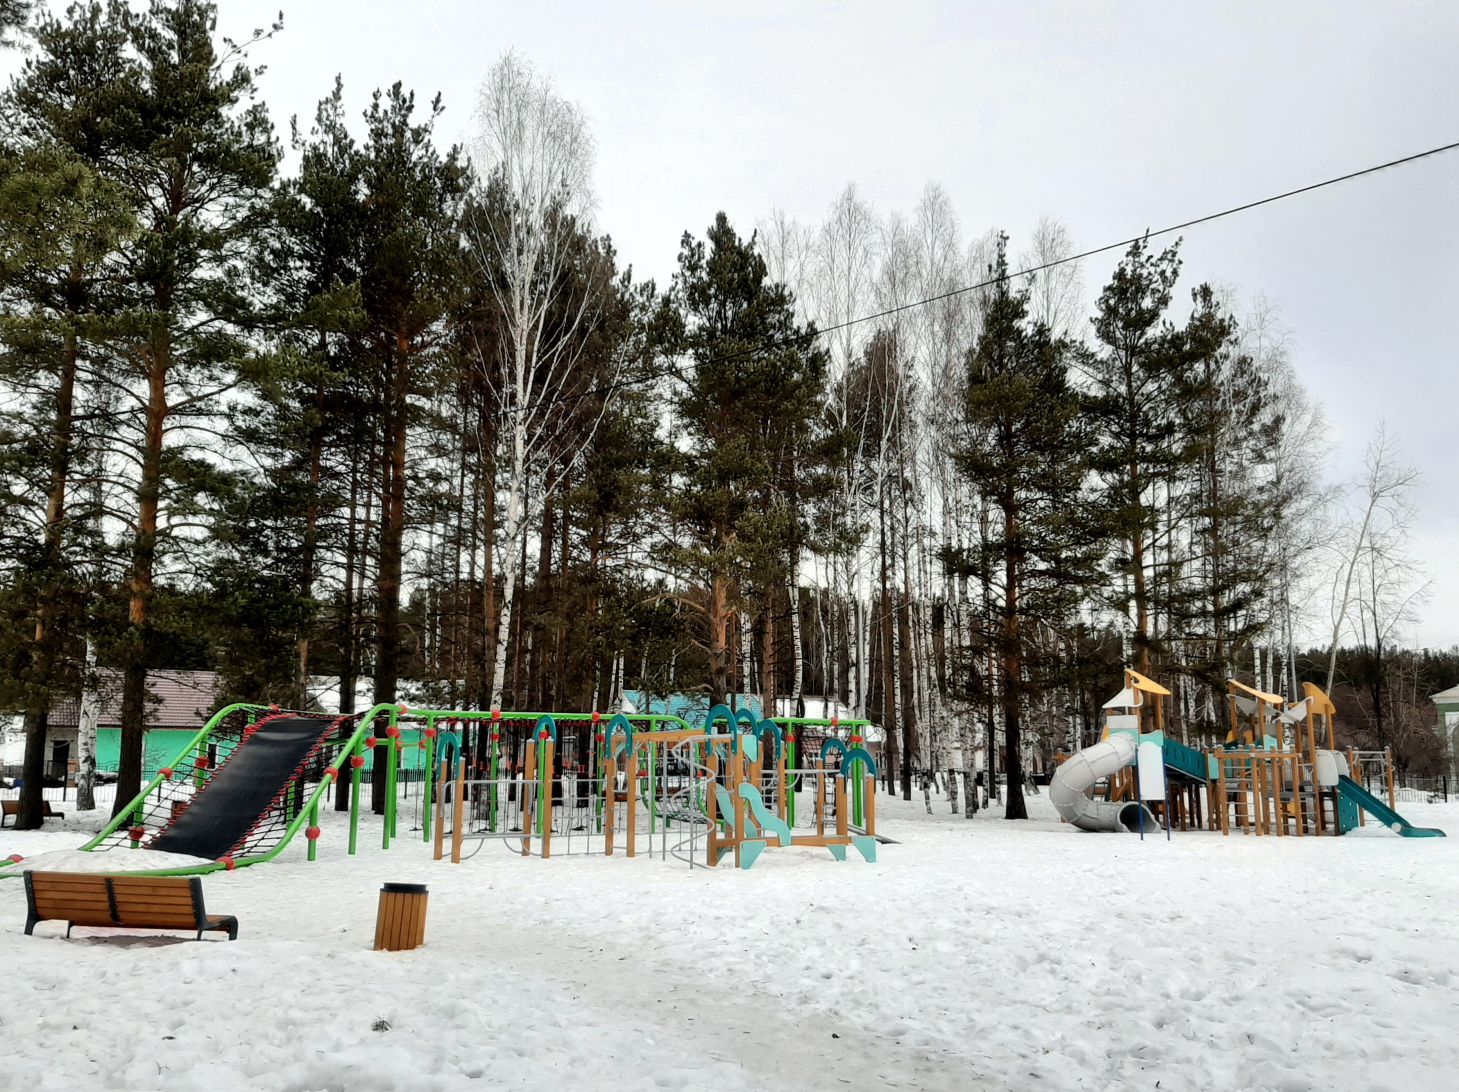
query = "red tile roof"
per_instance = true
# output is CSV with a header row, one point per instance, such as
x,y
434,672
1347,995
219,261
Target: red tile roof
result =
x,y
175,699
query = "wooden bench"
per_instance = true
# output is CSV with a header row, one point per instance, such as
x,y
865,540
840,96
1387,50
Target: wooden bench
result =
x,y
121,902
12,807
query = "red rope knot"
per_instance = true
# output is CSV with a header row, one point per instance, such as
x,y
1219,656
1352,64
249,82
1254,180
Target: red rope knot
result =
x,y
371,742
400,744
201,762
542,735
137,833
312,833
496,715
856,741
421,744
357,762
835,721
166,773
332,772
429,733
597,716
496,737
404,710
227,862
15,858
273,708
392,732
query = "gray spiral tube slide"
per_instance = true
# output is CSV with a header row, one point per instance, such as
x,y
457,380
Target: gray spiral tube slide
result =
x,y
1069,789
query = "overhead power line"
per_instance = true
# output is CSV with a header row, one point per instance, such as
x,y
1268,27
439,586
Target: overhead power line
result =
x,y
1029,271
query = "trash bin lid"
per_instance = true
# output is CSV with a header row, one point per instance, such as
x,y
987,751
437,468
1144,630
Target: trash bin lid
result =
x,y
404,888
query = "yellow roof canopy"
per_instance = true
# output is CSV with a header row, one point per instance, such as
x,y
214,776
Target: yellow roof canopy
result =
x,y
1321,703
1234,687
1135,681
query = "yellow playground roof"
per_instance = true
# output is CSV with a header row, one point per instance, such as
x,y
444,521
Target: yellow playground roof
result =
x,y
1234,687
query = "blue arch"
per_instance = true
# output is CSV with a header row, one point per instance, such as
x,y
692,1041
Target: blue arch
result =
x,y
769,727
716,714
832,744
620,721
859,754
744,718
448,738
545,718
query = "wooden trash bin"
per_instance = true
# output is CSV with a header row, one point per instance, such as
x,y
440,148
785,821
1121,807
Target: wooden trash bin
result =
x,y
400,922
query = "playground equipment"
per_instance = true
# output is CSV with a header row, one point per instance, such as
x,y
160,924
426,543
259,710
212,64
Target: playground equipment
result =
x,y
1140,793
656,783
254,777
1279,771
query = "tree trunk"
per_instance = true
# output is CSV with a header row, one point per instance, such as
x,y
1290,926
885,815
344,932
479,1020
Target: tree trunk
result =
x,y
44,650
392,545
1014,808
87,719
137,646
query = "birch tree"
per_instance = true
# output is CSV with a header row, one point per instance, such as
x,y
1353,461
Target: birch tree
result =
x,y
535,153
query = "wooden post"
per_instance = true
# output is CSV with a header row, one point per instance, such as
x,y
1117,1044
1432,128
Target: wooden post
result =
x,y
782,801
871,806
1297,795
1224,800
841,821
1392,796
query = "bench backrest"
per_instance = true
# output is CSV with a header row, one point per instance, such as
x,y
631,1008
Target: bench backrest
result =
x,y
172,902
78,897
84,898
12,807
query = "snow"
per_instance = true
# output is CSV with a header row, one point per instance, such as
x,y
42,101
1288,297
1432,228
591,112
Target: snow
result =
x,y
974,954
114,860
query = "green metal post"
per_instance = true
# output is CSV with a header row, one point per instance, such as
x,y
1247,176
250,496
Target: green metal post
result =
x,y
314,823
428,797
355,771
392,761
599,756
790,781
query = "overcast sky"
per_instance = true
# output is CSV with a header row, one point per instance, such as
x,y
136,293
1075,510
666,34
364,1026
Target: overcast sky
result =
x,y
1113,117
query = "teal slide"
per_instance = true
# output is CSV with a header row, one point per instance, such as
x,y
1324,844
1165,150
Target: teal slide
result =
x,y
765,819
1351,791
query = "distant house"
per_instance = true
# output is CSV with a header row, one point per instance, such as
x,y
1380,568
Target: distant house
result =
x,y
1446,702
178,704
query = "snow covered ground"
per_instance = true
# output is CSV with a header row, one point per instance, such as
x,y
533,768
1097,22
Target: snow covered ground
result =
x,y
974,954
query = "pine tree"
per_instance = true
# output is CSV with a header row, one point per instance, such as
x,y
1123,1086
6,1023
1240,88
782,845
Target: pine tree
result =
x,y
194,156
411,266
748,409
1027,451
1133,371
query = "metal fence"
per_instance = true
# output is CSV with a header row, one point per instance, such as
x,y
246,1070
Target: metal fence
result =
x,y
1426,790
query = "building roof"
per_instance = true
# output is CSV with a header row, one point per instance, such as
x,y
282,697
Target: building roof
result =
x,y
175,699
1446,697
